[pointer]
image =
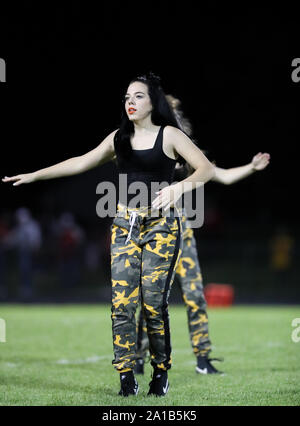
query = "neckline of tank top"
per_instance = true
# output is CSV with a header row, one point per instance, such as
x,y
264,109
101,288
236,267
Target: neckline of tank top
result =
x,y
156,139
150,149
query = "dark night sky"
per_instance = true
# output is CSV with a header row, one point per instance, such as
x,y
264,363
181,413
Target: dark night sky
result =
x,y
67,68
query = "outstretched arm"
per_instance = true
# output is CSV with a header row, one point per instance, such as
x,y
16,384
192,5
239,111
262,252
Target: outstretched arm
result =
x,y
229,176
103,153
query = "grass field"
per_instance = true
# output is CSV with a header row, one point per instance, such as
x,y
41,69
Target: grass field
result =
x,y
61,355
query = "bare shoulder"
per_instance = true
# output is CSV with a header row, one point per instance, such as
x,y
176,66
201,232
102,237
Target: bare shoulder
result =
x,y
109,140
168,142
175,137
171,132
101,154
107,144
112,135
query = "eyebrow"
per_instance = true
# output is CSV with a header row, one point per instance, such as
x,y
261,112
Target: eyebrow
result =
x,y
135,93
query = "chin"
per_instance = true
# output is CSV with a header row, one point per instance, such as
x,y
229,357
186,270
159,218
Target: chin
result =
x,y
132,117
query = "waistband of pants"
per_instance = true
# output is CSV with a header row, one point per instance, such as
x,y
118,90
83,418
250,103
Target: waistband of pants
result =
x,y
132,214
181,211
126,212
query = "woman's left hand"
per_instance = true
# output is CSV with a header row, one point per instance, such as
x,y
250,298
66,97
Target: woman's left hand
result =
x,y
167,197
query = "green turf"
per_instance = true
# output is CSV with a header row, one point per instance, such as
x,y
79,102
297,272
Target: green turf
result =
x,y
61,355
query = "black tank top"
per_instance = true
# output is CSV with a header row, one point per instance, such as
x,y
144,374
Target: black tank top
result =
x,y
147,166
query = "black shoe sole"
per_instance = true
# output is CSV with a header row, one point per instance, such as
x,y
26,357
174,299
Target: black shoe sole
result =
x,y
121,393
157,394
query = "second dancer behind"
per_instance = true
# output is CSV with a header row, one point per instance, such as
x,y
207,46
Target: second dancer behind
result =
x,y
188,272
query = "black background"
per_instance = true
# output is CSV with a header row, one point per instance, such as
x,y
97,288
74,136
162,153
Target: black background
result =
x,y
68,66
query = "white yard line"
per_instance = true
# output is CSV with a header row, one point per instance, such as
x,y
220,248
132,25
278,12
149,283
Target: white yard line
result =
x,y
89,360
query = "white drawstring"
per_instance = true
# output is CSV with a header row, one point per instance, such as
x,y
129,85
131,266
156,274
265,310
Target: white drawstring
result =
x,y
131,223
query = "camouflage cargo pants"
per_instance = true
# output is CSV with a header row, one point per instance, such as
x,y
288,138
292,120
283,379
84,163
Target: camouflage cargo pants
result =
x,y
144,254
188,275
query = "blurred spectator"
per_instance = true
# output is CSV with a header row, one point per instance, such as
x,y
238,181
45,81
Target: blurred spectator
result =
x,y
281,249
92,255
26,238
70,240
281,256
97,251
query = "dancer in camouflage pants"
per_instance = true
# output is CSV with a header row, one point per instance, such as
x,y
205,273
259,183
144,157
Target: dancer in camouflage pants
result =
x,y
144,255
189,277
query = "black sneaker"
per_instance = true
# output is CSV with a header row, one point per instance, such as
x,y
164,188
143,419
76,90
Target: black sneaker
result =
x,y
159,384
204,365
129,385
139,366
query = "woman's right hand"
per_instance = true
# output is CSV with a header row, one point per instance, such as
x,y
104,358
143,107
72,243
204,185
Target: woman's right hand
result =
x,y
19,179
260,161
